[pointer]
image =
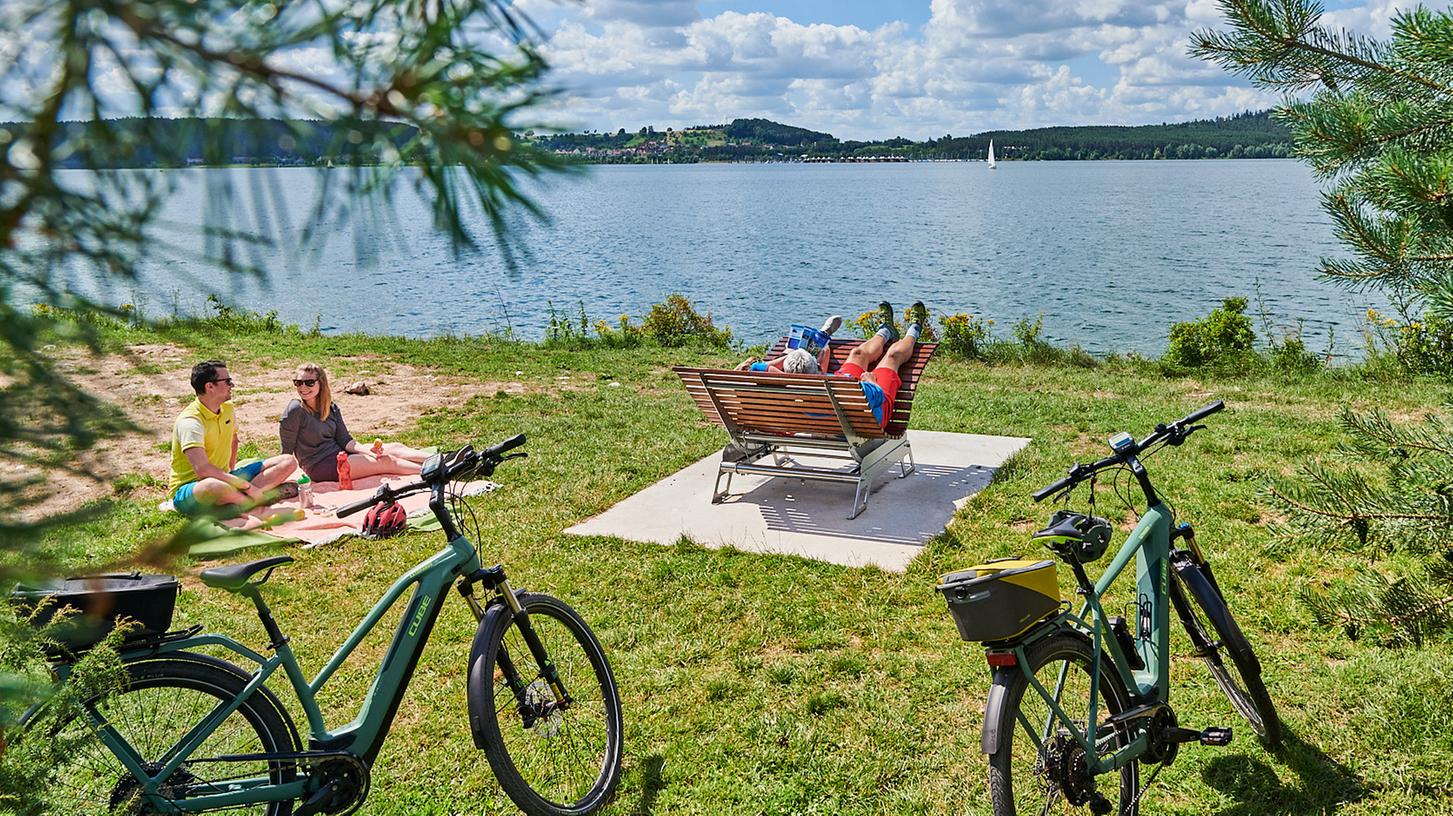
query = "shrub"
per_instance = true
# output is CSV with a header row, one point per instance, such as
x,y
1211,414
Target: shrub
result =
x,y
965,336
1290,354
1420,346
675,322
1223,337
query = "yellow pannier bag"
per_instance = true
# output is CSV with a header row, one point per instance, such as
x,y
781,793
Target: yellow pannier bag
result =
x,y
1001,599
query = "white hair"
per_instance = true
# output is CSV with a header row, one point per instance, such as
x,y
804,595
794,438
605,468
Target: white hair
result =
x,y
800,361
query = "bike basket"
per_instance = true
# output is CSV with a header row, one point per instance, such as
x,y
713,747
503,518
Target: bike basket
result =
x,y
99,602
1001,599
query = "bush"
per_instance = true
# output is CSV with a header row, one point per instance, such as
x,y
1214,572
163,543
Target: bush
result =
x,y
675,322
1290,354
1419,346
1224,338
965,336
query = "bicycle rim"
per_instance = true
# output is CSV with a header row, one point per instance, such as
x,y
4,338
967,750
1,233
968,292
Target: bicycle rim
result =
x,y
1226,652
1038,768
553,761
162,701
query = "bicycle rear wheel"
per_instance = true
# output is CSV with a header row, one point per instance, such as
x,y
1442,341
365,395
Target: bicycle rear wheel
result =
x,y
1037,767
550,760
1217,637
160,702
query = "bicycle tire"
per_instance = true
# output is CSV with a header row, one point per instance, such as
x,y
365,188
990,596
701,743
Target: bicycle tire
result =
x,y
526,759
1018,755
1202,610
161,700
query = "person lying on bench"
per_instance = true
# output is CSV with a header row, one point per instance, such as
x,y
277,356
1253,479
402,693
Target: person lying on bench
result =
x,y
204,471
312,429
874,363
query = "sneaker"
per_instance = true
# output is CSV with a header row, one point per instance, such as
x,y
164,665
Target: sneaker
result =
x,y
283,492
832,324
918,313
885,320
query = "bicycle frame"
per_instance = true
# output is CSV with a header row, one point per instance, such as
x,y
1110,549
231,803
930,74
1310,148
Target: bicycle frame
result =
x,y
1149,545
362,737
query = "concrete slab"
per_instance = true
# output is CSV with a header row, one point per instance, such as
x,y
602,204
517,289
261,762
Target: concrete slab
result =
x,y
808,517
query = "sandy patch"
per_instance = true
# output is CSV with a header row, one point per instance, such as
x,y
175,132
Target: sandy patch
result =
x,y
149,383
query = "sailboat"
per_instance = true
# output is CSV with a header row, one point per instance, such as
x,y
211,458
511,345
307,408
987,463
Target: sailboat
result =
x,y
991,154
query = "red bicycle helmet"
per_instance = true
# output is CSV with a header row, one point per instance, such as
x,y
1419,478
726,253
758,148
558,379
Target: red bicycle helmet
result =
x,y
385,519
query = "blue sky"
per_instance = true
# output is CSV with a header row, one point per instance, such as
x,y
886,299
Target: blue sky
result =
x,y
872,70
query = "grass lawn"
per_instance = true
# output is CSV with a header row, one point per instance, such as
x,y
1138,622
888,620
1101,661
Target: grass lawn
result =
x,y
773,684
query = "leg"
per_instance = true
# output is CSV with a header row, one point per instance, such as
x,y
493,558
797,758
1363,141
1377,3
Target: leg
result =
x,y
364,464
898,354
207,493
401,451
865,355
275,470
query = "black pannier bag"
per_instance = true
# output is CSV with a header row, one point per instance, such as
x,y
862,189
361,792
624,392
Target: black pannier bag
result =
x,y
100,601
1001,599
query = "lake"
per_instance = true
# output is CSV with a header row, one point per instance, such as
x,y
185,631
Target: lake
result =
x,y
1110,252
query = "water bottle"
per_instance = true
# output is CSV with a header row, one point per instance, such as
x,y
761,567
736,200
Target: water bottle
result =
x,y
345,476
305,491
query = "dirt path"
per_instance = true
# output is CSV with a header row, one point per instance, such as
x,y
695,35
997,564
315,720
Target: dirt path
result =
x,y
149,383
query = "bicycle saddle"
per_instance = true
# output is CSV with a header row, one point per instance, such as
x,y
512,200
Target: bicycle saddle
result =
x,y
1076,536
235,576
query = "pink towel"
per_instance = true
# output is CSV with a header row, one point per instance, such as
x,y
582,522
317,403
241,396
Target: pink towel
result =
x,y
321,526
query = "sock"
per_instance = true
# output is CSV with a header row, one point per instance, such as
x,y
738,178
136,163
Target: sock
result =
x,y
914,331
887,333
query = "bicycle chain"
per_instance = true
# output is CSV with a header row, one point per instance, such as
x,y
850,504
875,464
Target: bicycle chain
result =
x,y
1143,788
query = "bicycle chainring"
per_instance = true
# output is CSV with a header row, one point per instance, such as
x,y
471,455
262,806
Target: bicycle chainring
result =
x,y
348,779
1161,748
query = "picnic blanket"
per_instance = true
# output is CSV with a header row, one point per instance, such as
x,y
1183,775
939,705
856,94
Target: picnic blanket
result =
x,y
319,524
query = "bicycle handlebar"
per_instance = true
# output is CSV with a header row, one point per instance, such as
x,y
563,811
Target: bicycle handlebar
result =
x,y
1175,432
451,466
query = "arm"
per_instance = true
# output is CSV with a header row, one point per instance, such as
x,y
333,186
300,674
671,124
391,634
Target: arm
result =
x,y
824,357
775,364
340,432
232,458
290,426
206,470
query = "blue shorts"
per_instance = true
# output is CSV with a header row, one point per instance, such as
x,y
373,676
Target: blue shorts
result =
x,y
185,503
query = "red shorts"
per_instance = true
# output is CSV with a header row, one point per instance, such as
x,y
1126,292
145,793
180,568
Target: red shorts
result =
x,y
885,378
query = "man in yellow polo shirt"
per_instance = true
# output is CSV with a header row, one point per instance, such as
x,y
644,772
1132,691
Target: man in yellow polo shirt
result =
x,y
204,451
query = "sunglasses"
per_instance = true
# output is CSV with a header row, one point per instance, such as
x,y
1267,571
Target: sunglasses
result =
x,y
227,380
310,382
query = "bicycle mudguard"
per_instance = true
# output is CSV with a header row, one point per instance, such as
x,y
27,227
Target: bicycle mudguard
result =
x,y
1196,581
481,673
989,737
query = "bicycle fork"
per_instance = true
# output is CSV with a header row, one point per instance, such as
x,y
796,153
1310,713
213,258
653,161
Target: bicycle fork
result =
x,y
494,579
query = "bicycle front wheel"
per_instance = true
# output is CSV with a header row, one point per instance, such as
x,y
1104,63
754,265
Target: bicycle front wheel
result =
x,y
161,701
551,759
1038,767
1218,641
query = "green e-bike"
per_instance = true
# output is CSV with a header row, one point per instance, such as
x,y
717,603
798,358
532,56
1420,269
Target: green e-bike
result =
x,y
1080,699
190,732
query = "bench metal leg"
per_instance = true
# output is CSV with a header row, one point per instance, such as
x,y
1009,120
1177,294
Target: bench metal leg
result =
x,y
719,494
860,497
907,457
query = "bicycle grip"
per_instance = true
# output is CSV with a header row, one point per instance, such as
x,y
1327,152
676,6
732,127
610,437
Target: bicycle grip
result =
x,y
361,504
505,446
1201,413
1045,492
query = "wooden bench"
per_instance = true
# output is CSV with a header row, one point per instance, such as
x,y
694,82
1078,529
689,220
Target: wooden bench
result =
x,y
771,416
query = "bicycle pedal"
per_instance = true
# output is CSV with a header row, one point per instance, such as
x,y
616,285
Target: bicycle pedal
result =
x,y
1216,736
1099,805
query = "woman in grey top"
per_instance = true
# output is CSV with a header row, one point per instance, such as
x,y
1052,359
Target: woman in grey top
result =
x,y
312,429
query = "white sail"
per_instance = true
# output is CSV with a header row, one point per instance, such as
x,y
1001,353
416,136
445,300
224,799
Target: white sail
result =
x,y
991,154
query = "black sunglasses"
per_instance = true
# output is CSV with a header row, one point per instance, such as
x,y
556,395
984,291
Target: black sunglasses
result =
x,y
227,380
308,382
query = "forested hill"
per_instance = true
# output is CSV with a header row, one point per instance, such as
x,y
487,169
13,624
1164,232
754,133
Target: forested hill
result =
x,y
270,142
1246,135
